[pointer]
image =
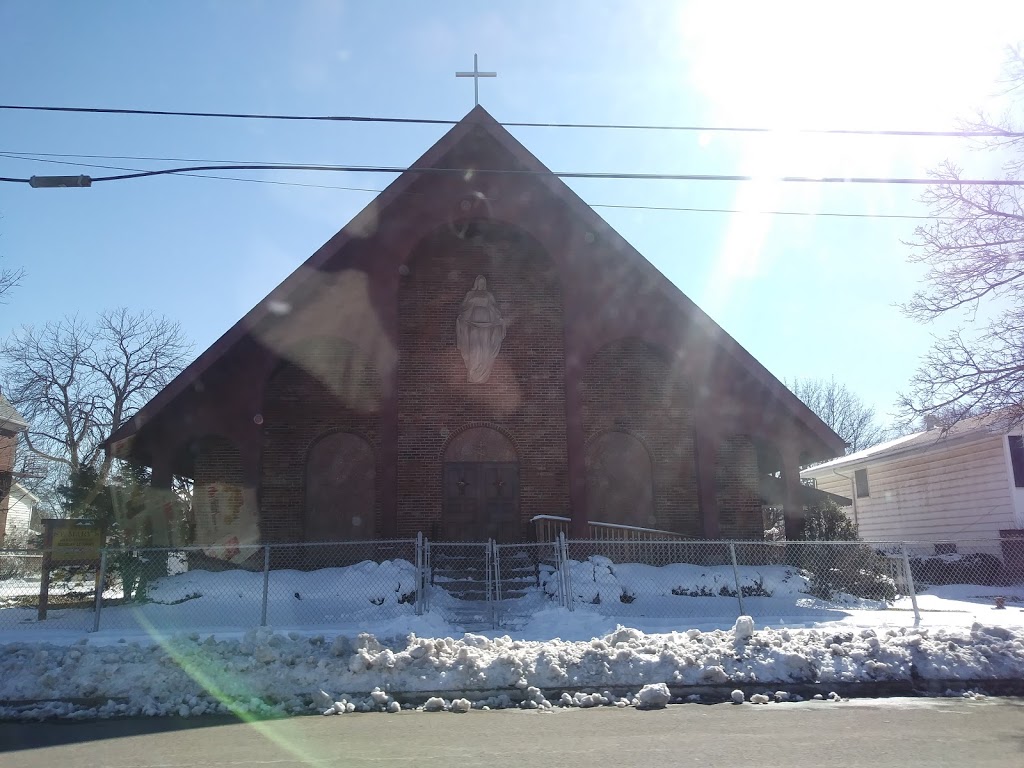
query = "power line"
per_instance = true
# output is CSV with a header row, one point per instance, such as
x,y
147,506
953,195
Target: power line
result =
x,y
561,175
26,156
602,126
23,156
773,213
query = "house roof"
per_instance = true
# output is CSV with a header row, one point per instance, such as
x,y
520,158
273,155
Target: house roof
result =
x,y
918,442
9,416
19,491
477,118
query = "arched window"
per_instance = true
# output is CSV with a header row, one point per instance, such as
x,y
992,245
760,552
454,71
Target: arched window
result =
x,y
620,480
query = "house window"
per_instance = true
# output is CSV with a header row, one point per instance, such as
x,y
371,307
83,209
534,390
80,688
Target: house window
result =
x,y
860,477
1017,459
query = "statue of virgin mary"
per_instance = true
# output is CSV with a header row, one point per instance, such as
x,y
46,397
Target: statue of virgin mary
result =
x,y
479,331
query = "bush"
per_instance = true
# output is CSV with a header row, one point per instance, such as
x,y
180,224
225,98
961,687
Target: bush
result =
x,y
855,569
976,568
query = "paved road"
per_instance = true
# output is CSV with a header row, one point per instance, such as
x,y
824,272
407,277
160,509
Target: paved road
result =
x,y
905,733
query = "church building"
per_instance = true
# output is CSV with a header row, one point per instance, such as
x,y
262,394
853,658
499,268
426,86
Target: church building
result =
x,y
477,347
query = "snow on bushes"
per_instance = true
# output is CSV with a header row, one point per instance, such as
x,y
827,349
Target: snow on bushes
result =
x,y
600,581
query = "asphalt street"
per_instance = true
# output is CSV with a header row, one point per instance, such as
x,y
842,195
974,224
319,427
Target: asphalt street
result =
x,y
875,733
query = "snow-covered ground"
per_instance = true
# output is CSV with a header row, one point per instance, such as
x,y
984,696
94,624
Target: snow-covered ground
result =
x,y
348,631
265,672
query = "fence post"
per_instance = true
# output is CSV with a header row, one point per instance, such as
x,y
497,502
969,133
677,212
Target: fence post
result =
x,y
266,584
428,576
736,577
566,572
420,578
101,580
910,581
563,589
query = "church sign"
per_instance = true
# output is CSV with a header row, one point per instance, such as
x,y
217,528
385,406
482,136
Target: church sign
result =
x,y
68,543
73,542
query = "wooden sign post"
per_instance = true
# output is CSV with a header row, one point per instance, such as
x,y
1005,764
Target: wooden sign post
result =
x,y
69,543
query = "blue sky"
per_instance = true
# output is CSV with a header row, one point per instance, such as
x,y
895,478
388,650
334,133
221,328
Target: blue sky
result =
x,y
808,296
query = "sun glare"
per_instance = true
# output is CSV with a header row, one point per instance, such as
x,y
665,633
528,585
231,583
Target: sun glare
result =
x,y
814,65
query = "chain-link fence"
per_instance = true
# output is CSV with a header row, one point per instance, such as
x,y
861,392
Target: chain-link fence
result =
x,y
341,583
484,585
665,579
71,592
215,588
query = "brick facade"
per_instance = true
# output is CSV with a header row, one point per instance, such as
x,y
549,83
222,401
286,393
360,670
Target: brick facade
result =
x,y
361,339
326,385
218,484
628,386
525,395
736,487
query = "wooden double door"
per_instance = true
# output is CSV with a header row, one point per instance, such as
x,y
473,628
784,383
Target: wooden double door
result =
x,y
481,501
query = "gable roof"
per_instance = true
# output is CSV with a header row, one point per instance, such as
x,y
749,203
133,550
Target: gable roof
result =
x,y
478,118
10,418
966,430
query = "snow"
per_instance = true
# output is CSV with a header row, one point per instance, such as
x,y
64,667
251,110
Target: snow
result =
x,y
865,453
654,696
348,640
267,672
737,696
744,628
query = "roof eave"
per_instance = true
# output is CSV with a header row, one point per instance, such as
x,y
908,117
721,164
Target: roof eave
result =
x,y
854,462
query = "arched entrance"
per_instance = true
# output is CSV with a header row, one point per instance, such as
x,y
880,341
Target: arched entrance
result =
x,y
481,487
340,493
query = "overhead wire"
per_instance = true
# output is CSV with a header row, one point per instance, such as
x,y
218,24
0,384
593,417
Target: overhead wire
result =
x,y
44,157
990,133
558,174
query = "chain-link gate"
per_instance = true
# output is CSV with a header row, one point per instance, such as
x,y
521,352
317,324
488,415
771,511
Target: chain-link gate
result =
x,y
459,582
527,579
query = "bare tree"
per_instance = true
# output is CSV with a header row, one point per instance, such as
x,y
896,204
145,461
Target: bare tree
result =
x,y
974,253
75,382
842,410
9,280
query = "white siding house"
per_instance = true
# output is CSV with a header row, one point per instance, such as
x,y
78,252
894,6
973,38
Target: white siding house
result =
x,y
958,484
22,514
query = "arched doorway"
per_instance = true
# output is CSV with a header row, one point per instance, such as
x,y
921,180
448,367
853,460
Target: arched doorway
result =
x,y
340,493
481,487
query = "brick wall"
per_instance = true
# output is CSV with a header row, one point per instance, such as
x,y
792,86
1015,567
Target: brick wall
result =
x,y
217,492
327,385
525,394
629,387
736,486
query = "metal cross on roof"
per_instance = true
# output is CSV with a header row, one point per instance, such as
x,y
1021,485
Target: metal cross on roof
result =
x,y
476,74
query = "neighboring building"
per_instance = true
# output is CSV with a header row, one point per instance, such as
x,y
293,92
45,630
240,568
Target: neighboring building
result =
x,y
477,347
964,483
11,425
23,515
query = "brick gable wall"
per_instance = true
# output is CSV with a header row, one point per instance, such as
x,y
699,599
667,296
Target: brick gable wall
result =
x,y
525,394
